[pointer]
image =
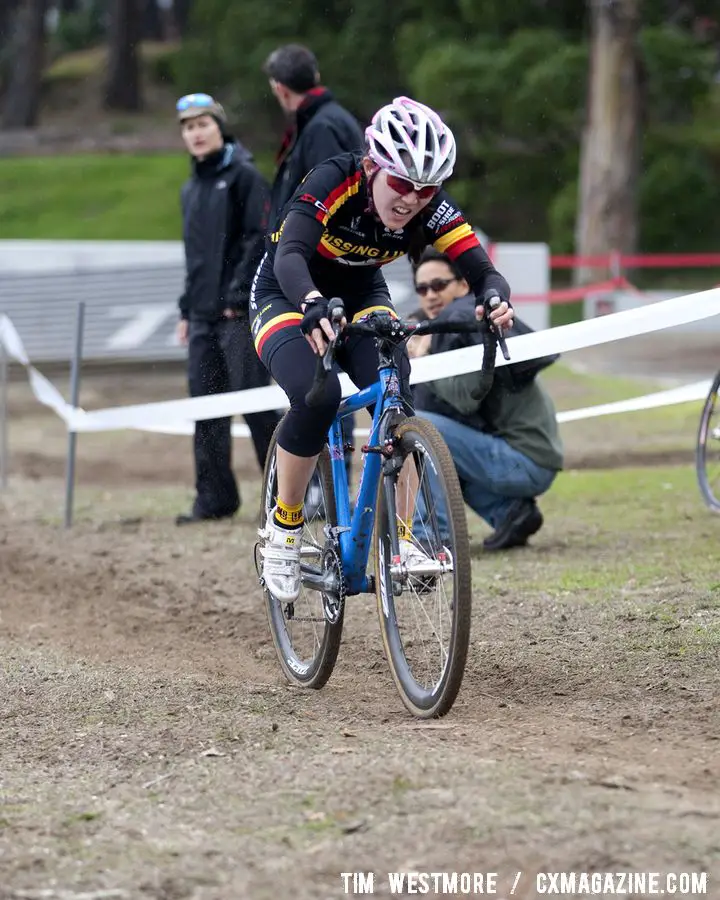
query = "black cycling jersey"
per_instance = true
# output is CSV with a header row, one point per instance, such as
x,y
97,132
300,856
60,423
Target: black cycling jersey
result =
x,y
328,228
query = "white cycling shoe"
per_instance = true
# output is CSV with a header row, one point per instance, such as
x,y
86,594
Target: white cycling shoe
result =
x,y
415,561
281,560
412,556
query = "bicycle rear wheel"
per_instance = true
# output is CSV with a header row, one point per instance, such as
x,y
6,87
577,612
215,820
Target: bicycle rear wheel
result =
x,y
307,632
707,451
424,607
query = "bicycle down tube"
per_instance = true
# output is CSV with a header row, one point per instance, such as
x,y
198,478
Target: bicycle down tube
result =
x,y
355,533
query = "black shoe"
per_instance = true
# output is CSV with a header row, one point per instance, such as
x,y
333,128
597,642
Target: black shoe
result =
x,y
523,520
192,518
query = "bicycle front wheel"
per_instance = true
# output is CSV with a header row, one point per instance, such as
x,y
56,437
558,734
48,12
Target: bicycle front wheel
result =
x,y
306,632
424,594
707,451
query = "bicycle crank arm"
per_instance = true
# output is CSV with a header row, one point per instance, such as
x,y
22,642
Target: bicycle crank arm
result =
x,y
316,580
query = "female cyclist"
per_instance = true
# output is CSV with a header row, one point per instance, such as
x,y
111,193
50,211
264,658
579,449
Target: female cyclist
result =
x,y
350,216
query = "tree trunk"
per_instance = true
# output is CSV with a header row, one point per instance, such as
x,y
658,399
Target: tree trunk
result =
x,y
7,11
181,13
22,99
122,87
152,26
609,164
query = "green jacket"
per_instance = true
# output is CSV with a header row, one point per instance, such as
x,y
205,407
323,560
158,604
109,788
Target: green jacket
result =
x,y
523,416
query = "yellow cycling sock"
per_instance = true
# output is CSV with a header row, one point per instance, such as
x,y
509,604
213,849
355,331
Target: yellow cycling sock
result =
x,y
404,529
287,516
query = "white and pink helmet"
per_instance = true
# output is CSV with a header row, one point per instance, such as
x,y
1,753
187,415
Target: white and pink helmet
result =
x,y
409,139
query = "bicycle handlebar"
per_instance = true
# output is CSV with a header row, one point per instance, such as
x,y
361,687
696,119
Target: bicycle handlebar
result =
x,y
384,326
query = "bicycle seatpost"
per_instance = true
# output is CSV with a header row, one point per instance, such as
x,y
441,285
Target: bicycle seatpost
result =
x,y
491,300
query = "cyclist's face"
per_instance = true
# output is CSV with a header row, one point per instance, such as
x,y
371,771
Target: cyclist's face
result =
x,y
393,209
438,287
202,136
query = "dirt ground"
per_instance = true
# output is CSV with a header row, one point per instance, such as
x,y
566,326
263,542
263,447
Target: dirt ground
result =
x,y
149,747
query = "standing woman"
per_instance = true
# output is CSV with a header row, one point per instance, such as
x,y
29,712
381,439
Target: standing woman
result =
x,y
225,207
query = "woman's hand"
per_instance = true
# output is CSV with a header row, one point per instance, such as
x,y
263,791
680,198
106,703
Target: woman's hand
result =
x,y
182,330
316,326
502,315
419,345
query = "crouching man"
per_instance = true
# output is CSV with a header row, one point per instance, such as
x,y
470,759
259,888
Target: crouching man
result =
x,y
502,432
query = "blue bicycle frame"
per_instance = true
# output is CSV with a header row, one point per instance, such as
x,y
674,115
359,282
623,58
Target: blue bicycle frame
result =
x,y
355,533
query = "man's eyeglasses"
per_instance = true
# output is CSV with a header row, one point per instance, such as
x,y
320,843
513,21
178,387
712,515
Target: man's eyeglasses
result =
x,y
404,186
437,286
194,100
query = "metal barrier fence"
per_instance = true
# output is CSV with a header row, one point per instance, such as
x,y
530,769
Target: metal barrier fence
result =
x,y
130,312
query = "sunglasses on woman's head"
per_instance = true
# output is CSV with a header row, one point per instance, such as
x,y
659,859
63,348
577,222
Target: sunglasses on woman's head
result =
x,y
191,100
437,286
404,186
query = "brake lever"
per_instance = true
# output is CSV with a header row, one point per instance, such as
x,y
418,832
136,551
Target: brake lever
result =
x,y
336,313
491,301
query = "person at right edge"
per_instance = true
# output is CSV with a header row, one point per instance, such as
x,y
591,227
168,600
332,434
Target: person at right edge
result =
x,y
319,128
501,429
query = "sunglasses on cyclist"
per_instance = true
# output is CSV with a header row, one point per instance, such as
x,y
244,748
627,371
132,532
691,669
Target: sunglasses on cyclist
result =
x,y
437,286
190,101
404,186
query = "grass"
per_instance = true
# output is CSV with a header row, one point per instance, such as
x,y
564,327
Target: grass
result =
x,y
636,542
92,197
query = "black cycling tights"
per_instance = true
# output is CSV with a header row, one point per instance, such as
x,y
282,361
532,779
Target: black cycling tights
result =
x,y
304,428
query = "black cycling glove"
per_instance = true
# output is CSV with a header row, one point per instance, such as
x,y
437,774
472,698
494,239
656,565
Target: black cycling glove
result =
x,y
315,309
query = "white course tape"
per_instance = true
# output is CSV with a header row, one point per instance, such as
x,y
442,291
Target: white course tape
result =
x,y
45,391
685,394
178,416
630,323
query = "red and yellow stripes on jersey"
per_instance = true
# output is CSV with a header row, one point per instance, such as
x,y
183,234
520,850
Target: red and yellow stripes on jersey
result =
x,y
372,309
275,324
327,250
338,196
457,241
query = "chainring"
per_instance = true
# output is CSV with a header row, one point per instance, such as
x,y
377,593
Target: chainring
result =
x,y
333,603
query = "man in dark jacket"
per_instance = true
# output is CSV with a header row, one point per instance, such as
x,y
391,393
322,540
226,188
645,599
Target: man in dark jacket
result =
x,y
501,429
224,206
319,126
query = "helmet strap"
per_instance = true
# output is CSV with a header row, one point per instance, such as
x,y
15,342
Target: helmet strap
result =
x,y
370,208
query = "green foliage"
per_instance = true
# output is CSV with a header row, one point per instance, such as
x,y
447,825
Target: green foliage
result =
x,y
679,72
679,199
81,29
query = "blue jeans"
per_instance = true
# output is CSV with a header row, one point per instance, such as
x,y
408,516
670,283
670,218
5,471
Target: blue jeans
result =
x,y
492,474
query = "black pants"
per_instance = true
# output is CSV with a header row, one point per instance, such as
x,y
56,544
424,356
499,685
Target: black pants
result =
x,y
221,357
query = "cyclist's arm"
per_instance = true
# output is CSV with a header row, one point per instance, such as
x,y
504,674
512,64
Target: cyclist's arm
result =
x,y
449,232
304,224
300,237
